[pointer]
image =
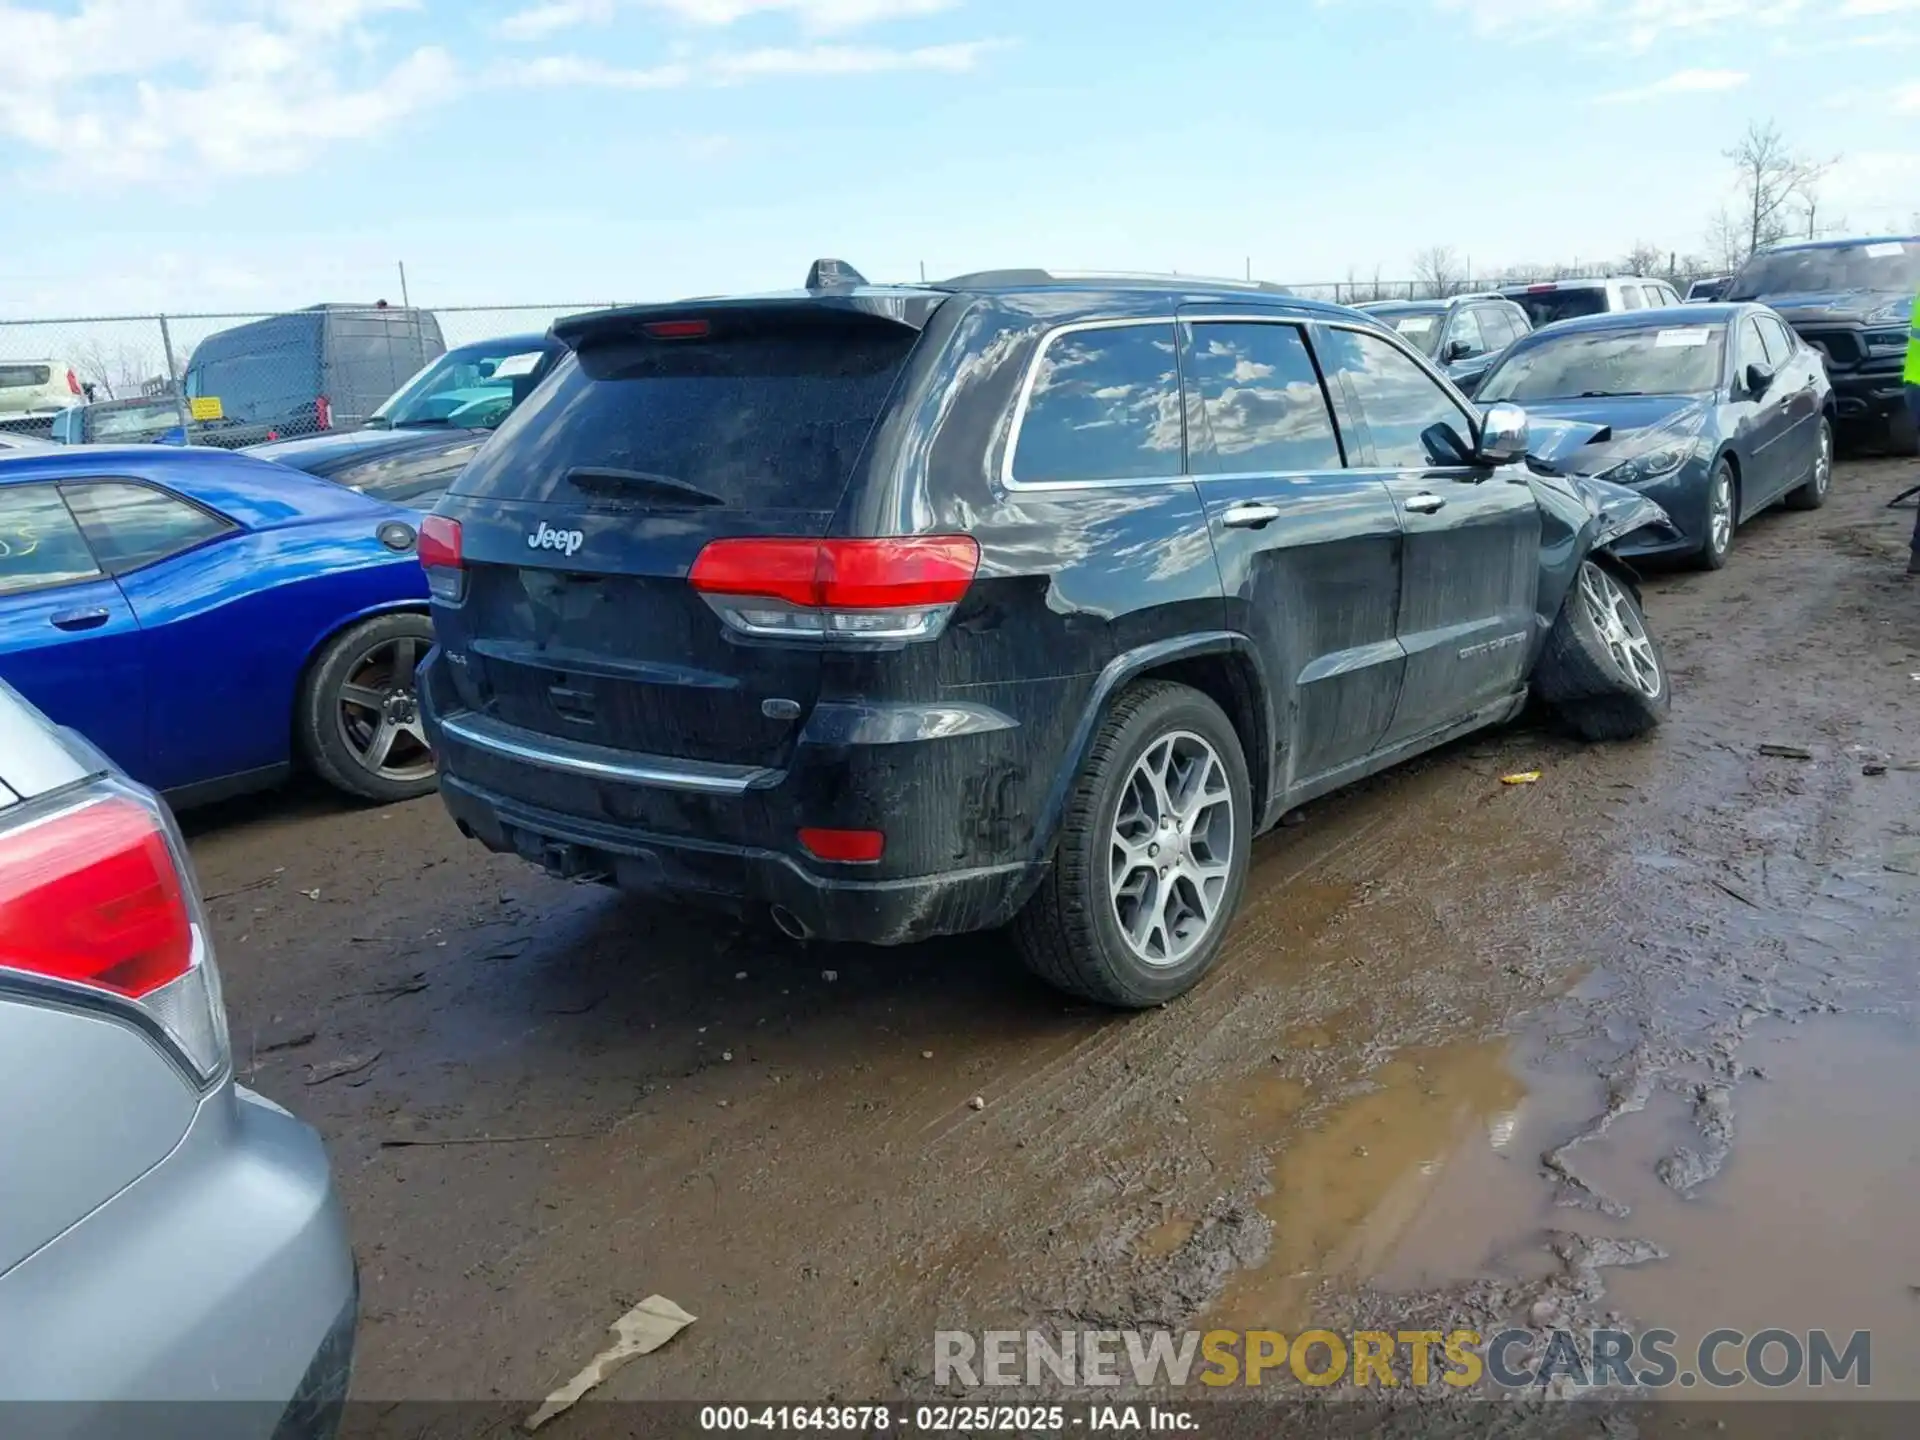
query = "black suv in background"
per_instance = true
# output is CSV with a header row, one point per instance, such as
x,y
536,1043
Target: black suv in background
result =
x,y
1852,300
899,611
1463,335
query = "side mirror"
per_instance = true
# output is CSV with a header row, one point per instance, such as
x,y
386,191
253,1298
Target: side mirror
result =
x,y
1503,435
1758,377
1456,350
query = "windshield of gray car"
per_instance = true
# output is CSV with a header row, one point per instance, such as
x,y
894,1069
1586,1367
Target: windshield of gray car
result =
x,y
472,387
1419,328
1649,360
1877,265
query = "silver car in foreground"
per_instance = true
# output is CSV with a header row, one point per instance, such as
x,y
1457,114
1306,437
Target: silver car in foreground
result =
x,y
167,1238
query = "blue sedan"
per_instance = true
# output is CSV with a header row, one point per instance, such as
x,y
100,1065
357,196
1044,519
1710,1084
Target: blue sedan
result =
x,y
210,620
1714,411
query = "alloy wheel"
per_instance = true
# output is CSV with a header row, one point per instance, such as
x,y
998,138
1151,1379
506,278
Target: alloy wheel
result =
x,y
1823,461
1620,628
1720,512
1171,851
379,711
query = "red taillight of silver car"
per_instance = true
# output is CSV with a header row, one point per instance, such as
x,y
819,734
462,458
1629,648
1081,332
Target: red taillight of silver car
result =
x,y
97,903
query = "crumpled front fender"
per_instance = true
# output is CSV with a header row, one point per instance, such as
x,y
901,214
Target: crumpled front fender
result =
x,y
1620,511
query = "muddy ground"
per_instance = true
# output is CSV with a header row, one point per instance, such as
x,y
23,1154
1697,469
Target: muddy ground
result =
x,y
1465,1035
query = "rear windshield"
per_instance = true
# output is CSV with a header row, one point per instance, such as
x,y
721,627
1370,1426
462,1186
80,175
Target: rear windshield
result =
x,y
1878,265
1551,305
133,420
772,420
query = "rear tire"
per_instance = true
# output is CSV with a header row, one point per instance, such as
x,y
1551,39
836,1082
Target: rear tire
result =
x,y
360,704
1146,874
1602,670
1813,494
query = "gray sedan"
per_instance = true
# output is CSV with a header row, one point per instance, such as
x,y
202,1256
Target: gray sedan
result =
x,y
165,1235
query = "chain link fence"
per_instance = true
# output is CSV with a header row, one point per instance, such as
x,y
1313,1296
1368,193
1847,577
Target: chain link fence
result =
x,y
239,379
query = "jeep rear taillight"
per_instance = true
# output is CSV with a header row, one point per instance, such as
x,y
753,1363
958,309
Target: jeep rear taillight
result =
x,y
899,588
95,901
73,384
323,412
441,557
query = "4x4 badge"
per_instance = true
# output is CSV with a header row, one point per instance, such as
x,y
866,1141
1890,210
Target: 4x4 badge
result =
x,y
548,538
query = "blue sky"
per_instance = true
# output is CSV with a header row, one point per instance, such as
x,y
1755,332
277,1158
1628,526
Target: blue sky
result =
x,y
239,154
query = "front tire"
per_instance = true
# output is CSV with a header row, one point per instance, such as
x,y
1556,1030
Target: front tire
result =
x,y
1813,493
1152,854
1723,515
359,715
1602,670
1903,434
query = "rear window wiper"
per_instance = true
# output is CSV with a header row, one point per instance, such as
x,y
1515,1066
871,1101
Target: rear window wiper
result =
x,y
611,478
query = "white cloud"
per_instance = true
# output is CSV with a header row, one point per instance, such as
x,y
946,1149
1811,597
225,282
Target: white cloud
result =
x,y
1681,82
574,70
739,67
845,60
813,16
1877,7
537,21
1623,24
129,89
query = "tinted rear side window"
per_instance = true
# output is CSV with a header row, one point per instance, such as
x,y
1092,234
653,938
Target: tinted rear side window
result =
x,y
772,420
1105,405
1262,398
131,525
15,377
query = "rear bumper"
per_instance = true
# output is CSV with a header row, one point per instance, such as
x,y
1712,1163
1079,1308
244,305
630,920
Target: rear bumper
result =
x,y
739,878
956,787
215,1297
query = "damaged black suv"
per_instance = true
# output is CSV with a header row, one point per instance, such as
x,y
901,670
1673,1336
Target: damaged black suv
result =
x,y
1019,599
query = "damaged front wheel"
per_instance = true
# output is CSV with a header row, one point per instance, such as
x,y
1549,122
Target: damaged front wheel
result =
x,y
1602,669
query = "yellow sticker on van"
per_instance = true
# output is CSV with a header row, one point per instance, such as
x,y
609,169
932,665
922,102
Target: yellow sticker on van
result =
x,y
207,407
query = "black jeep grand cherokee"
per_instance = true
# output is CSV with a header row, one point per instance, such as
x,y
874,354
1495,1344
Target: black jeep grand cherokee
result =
x,y
899,611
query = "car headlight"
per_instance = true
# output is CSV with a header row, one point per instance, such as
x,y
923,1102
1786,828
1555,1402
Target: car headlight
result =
x,y
1886,342
1648,465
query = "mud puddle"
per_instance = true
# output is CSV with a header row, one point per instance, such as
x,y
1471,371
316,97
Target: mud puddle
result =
x,y
1437,1185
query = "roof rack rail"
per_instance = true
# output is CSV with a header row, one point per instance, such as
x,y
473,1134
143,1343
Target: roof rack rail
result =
x,y
1036,276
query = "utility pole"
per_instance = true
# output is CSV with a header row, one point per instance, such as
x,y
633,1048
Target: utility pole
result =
x,y
408,304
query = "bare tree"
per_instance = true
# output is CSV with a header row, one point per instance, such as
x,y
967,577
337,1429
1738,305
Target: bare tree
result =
x,y
91,364
1773,179
1644,259
1439,271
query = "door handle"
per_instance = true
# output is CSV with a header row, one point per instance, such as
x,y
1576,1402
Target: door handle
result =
x,y
80,619
1250,517
1426,503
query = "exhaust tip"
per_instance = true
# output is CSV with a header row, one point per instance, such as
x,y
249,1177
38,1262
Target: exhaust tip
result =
x,y
790,924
